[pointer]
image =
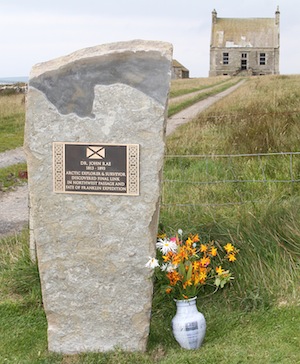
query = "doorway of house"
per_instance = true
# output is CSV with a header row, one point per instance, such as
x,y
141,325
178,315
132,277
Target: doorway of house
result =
x,y
244,61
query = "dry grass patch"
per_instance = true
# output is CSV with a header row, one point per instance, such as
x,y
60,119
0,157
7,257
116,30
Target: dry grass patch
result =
x,y
12,120
187,85
261,116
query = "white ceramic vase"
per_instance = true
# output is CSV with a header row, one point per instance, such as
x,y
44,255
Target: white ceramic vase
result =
x,y
188,325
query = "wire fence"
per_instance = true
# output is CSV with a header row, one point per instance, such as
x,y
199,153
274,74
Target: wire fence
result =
x,y
206,180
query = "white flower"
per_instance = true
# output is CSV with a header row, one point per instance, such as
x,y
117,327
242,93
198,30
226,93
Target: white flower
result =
x,y
180,232
166,246
152,263
168,267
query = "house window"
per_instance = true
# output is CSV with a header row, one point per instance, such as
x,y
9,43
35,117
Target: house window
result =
x,y
225,58
244,61
262,59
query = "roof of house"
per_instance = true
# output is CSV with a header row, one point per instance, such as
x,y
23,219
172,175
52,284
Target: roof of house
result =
x,y
245,32
176,64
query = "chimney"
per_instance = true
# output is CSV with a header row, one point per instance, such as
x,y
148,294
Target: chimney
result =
x,y
277,16
214,16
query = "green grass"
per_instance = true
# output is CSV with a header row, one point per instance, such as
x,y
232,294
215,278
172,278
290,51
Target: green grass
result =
x,y
190,88
234,335
260,216
12,119
262,336
175,108
257,318
23,333
12,176
218,180
186,85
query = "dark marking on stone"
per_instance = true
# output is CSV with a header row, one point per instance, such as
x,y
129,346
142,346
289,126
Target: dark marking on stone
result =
x,y
71,87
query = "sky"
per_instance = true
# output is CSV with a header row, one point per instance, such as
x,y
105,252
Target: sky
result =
x,y
34,31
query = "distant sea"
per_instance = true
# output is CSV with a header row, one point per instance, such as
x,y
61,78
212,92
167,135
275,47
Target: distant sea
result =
x,y
12,80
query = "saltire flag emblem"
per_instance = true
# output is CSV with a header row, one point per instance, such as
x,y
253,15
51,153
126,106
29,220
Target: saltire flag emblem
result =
x,y
93,152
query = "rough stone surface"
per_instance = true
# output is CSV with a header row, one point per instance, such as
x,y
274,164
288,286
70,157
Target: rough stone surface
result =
x,y
92,249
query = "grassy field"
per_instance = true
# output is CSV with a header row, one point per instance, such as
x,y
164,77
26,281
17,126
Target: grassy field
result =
x,y
188,85
12,107
234,335
12,117
12,176
260,215
257,318
191,98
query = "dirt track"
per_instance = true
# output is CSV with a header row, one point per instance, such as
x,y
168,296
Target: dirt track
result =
x,y
14,204
191,112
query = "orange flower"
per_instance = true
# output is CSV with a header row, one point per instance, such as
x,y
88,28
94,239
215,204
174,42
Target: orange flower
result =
x,y
168,290
187,283
183,253
195,238
168,257
205,261
173,277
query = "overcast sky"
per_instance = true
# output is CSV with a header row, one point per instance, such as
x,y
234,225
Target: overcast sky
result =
x,y
34,31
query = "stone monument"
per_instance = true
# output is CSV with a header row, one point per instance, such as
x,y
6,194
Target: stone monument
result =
x,y
94,141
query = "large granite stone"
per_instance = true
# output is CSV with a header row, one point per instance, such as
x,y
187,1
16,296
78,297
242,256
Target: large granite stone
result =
x,y
92,248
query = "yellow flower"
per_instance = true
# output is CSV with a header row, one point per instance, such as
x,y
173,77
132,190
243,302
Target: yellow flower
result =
x,y
219,270
187,283
200,277
168,290
161,236
229,248
188,242
203,248
213,251
205,261
231,257
196,265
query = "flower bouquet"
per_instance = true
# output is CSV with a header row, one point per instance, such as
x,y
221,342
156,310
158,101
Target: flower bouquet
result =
x,y
186,265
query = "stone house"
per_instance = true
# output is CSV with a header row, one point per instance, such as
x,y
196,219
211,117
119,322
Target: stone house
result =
x,y
179,71
244,46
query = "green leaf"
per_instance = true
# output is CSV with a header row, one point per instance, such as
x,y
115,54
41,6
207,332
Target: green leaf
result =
x,y
181,270
189,273
217,281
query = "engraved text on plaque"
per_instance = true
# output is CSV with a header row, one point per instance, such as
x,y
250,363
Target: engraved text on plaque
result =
x,y
96,168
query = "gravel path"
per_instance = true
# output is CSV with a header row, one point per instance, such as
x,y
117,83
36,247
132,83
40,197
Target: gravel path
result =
x,y
11,157
14,210
181,98
191,112
14,204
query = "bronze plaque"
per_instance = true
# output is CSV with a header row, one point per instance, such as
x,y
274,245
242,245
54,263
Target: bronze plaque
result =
x,y
96,168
